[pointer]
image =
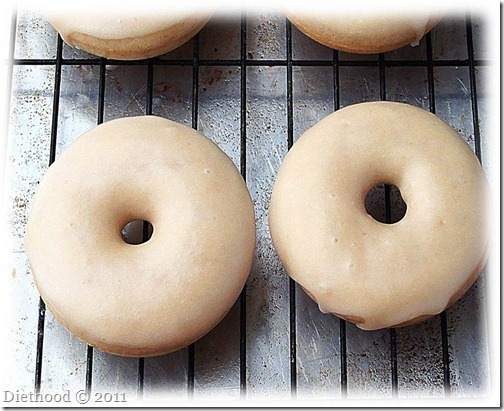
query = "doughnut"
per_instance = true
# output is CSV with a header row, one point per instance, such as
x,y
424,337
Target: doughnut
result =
x,y
374,274
125,35
156,297
364,33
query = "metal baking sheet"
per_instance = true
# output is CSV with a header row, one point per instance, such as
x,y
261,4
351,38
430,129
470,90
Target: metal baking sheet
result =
x,y
268,338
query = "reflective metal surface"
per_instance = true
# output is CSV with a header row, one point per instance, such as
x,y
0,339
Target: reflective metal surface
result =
x,y
268,338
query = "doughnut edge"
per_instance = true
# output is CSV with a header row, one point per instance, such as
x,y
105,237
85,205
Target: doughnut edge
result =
x,y
364,49
134,48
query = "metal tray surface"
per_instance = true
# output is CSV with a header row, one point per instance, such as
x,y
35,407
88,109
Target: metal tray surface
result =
x,y
252,85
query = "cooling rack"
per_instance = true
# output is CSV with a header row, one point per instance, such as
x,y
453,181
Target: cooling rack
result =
x,y
252,84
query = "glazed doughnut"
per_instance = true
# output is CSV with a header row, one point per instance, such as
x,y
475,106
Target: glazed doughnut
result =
x,y
125,35
364,33
159,296
374,274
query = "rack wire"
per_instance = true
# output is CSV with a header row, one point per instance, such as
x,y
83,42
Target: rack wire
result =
x,y
244,63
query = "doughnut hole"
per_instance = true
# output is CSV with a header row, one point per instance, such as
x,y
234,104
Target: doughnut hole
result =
x,y
376,203
137,232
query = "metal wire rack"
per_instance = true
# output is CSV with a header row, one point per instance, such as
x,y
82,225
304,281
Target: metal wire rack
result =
x,y
243,64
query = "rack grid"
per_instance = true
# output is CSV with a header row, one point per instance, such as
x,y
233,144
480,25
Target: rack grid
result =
x,y
244,63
